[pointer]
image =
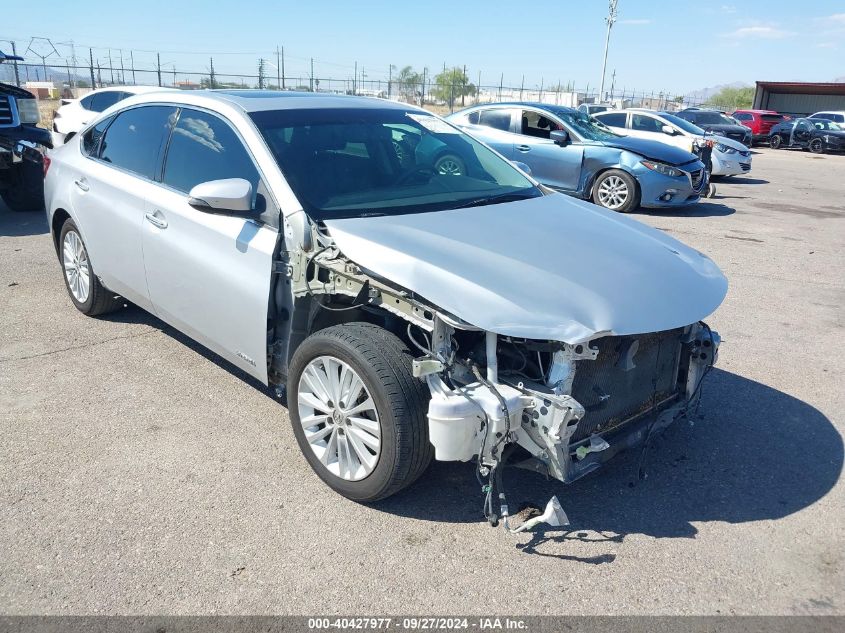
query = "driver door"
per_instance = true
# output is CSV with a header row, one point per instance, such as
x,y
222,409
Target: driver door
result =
x,y
551,164
208,273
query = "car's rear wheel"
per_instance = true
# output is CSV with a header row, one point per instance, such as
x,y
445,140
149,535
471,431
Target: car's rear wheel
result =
x,y
87,293
450,165
358,413
816,146
775,141
616,190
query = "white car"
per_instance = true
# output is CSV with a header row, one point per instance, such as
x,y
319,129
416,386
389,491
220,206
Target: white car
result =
x,y
838,116
410,312
729,157
74,114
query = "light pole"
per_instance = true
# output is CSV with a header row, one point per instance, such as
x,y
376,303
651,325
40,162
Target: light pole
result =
x,y
610,19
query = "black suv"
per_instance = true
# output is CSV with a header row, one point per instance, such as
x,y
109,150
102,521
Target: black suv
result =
x,y
21,144
717,123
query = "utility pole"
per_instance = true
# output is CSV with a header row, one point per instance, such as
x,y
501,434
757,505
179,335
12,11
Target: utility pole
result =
x,y
91,68
111,68
15,66
261,73
122,71
158,68
610,19
355,81
521,87
501,81
311,83
278,70
132,62
283,67
541,89
422,92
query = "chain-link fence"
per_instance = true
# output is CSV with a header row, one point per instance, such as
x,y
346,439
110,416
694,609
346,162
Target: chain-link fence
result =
x,y
56,81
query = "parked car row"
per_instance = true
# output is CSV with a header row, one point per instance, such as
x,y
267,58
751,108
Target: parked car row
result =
x,y
414,292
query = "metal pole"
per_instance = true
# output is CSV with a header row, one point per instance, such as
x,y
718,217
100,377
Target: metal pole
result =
x,y
111,68
478,89
610,19
91,68
312,75
389,80
278,70
521,87
283,67
132,62
355,81
158,68
15,66
122,70
501,81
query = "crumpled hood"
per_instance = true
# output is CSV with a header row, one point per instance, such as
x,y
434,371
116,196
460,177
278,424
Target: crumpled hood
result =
x,y
654,150
549,268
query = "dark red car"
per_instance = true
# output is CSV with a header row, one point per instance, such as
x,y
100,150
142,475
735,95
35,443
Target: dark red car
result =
x,y
760,122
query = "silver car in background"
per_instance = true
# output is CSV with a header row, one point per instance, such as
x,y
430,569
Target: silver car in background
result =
x,y
411,311
573,153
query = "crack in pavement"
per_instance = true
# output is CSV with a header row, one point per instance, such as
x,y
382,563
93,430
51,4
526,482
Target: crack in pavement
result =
x,y
84,345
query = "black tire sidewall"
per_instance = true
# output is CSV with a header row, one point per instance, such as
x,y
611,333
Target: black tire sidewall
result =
x,y
86,306
820,143
775,142
633,190
371,487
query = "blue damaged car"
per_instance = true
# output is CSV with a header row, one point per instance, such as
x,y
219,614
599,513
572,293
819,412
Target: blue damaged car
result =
x,y
574,153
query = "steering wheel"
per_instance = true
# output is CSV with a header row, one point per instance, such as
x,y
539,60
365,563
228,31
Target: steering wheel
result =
x,y
414,171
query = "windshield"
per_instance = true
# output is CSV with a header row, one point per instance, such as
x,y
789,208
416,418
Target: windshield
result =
x,y
685,125
587,127
713,118
354,162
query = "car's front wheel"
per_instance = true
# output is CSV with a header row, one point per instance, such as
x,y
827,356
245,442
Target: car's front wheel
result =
x,y
87,293
616,190
816,146
775,142
358,413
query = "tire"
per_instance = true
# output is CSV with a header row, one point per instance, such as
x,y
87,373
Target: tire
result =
x,y
383,365
450,165
95,299
816,146
775,142
27,190
616,190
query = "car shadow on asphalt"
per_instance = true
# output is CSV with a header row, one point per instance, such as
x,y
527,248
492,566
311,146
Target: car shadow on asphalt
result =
x,y
741,180
753,454
698,210
21,223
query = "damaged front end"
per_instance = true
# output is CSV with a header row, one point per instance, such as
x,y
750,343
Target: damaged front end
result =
x,y
567,407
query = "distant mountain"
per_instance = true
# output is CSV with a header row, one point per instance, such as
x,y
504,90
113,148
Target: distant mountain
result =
x,y
56,75
702,95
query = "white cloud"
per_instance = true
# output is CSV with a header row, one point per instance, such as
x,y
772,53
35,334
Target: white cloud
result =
x,y
836,17
636,21
826,45
758,32
728,8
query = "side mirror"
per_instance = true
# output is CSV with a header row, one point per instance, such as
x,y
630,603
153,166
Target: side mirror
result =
x,y
227,195
668,129
522,166
559,137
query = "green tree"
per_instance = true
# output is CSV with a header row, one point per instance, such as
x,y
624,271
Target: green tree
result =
x,y
732,98
451,85
408,83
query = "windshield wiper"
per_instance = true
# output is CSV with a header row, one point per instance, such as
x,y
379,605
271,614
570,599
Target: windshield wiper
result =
x,y
497,199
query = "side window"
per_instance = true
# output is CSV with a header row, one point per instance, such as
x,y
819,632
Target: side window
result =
x,y
614,119
644,123
497,119
472,117
203,147
740,116
839,118
134,140
91,140
537,125
85,102
103,100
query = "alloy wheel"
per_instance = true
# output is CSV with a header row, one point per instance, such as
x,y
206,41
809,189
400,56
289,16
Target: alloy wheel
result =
x,y
816,146
339,418
448,166
613,192
77,269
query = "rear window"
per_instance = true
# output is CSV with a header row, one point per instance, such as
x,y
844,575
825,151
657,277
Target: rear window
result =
x,y
614,119
774,118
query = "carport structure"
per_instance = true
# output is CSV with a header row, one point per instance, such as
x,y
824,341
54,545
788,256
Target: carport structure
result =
x,y
799,98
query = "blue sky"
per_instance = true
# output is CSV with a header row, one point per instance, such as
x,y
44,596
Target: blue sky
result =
x,y
676,46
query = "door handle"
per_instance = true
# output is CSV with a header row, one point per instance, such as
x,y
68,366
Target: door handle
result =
x,y
156,221
82,184
523,148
